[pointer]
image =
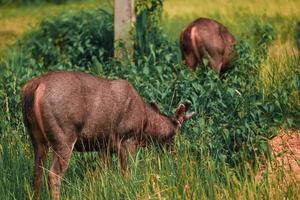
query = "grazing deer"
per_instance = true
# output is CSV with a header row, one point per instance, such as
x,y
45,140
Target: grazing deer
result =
x,y
67,111
206,38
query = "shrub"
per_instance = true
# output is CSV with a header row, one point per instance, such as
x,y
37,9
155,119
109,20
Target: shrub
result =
x,y
72,40
264,35
148,34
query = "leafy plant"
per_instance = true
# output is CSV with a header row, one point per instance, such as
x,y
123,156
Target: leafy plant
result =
x,y
264,34
148,27
72,40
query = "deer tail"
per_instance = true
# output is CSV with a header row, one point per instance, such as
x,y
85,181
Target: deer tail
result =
x,y
28,93
185,40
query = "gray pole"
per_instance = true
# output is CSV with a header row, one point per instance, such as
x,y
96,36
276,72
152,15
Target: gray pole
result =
x,y
124,19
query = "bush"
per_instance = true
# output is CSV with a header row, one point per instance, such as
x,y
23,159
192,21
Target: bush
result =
x,y
148,32
72,40
264,35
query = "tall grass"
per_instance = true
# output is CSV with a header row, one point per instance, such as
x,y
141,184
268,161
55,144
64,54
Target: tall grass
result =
x,y
152,175
216,156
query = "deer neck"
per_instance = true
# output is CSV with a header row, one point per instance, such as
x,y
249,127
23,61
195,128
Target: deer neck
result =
x,y
158,126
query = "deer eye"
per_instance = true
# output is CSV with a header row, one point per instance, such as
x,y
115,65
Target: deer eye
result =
x,y
175,122
155,107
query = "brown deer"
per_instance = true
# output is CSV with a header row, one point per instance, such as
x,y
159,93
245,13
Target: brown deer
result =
x,y
66,111
206,38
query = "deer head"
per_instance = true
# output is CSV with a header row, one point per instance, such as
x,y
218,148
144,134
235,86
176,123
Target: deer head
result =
x,y
181,114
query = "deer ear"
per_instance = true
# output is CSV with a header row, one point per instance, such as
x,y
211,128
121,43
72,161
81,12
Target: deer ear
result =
x,y
180,110
189,116
187,104
155,106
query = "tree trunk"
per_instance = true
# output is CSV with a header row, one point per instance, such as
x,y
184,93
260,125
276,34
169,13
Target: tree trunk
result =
x,y
124,17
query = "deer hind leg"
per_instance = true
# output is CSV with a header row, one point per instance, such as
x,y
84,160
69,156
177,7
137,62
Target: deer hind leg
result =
x,y
216,64
226,65
61,156
40,148
191,60
62,144
40,153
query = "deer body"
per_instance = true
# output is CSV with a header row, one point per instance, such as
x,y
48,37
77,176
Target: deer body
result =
x,y
206,38
68,111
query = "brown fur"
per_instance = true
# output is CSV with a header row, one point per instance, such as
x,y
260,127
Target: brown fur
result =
x,y
72,110
206,38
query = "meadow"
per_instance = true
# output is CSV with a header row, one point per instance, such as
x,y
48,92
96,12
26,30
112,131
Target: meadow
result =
x,y
218,155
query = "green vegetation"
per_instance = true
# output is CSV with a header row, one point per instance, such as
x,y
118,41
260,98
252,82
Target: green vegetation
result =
x,y
216,156
148,25
78,40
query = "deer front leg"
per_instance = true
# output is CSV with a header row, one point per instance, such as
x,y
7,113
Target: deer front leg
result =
x,y
125,148
123,158
106,157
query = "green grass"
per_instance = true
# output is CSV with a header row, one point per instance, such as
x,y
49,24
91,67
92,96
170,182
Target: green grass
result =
x,y
204,164
182,174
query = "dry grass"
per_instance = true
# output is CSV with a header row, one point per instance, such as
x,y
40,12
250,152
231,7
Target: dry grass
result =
x,y
228,7
11,29
14,21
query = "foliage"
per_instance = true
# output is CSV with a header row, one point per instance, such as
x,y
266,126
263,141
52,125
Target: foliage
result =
x,y
264,34
148,17
72,40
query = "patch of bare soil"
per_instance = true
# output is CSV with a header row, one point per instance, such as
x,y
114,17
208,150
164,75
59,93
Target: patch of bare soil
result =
x,y
286,152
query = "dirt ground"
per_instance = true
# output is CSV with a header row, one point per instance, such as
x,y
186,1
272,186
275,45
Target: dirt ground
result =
x,y
286,152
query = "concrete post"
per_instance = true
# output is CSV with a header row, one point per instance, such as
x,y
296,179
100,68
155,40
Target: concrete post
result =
x,y
124,17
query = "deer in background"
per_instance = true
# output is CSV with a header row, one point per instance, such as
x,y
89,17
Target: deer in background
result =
x,y
206,38
66,111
